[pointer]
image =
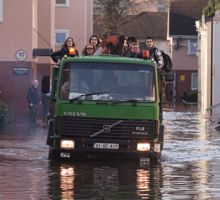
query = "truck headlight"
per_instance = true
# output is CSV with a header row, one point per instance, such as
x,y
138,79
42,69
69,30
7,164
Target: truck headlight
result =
x,y
143,146
67,144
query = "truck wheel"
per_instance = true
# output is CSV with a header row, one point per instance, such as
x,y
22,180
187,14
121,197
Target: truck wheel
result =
x,y
155,158
48,139
49,133
50,154
161,136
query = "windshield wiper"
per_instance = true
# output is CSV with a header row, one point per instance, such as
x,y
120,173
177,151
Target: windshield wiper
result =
x,y
134,101
87,94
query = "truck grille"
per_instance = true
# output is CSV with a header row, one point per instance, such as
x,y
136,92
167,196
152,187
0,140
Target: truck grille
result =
x,y
111,128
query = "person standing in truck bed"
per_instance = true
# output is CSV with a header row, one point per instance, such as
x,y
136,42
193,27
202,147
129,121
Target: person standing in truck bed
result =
x,y
58,55
155,54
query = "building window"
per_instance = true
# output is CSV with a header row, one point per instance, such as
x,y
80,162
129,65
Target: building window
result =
x,y
192,46
194,81
62,3
1,10
60,36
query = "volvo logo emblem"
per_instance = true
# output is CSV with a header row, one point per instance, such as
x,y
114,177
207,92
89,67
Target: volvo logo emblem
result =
x,y
107,128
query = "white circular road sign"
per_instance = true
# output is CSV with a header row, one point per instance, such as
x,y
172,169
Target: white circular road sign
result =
x,y
21,55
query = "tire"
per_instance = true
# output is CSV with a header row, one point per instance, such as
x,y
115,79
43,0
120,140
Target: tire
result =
x,y
50,133
155,158
161,136
51,154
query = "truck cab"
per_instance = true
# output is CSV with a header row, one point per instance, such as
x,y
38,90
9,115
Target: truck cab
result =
x,y
105,107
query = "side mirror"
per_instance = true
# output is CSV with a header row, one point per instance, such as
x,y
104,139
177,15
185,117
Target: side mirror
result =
x,y
45,84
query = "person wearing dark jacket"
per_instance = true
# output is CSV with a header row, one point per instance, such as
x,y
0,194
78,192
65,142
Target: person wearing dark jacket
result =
x,y
155,54
58,55
33,99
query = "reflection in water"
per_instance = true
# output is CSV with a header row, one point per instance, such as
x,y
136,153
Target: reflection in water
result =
x,y
67,182
205,176
106,179
101,180
142,182
189,169
190,181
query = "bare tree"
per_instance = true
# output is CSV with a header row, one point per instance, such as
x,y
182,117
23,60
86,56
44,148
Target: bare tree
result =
x,y
108,13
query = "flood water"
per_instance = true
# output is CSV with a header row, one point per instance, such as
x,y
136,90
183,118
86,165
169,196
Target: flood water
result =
x,y
189,169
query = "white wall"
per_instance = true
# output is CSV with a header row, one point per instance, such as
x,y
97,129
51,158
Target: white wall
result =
x,y
204,69
216,65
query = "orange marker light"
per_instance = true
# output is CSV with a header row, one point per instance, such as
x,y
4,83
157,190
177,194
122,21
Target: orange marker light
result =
x,y
72,51
146,54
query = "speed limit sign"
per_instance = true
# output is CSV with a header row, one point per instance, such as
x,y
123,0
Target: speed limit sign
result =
x,y
21,55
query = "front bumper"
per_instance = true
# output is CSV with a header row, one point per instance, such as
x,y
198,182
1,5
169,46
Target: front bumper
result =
x,y
58,154
84,148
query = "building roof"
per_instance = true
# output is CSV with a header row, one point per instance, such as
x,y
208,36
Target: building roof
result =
x,y
145,24
182,25
190,8
183,14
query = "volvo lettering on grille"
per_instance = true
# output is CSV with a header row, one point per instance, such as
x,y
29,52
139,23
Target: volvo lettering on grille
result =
x,y
75,114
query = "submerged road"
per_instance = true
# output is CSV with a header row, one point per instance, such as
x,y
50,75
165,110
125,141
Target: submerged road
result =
x,y
189,169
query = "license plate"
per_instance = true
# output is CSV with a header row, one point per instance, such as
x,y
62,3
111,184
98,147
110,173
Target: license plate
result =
x,y
106,146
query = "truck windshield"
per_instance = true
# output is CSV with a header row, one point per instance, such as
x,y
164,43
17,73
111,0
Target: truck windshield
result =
x,y
108,81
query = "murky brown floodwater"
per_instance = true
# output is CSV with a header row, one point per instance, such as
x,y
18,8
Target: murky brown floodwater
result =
x,y
189,170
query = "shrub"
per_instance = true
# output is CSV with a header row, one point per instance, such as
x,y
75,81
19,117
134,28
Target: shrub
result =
x,y
190,96
5,114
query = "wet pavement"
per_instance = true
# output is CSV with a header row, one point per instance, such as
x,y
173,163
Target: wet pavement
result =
x,y
189,169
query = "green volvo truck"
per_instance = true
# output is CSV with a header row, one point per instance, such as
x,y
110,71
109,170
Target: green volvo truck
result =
x,y
105,107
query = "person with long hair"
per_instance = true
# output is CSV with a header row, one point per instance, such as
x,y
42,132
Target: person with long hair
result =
x,y
89,50
58,55
94,40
